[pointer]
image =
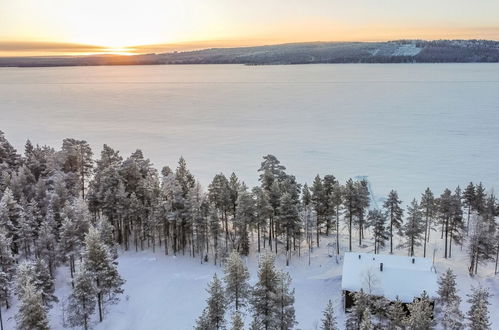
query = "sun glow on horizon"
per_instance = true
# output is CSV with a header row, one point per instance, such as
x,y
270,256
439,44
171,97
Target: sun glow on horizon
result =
x,y
130,27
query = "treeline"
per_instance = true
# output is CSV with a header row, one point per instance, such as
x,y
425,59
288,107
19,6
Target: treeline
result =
x,y
56,205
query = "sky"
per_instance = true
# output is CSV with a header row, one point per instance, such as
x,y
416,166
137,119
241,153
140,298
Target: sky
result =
x,y
48,27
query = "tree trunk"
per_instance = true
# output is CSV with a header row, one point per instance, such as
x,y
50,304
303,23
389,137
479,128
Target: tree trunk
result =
x,y
258,234
425,237
337,230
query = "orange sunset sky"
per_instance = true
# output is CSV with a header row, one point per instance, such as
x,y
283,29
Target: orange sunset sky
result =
x,y
55,27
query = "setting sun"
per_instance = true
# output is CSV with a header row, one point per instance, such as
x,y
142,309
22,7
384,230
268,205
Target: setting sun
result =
x,y
118,25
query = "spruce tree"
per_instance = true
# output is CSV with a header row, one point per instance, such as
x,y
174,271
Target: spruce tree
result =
x,y
377,221
396,315
428,207
420,314
216,304
328,321
36,273
82,301
362,303
285,300
366,323
7,270
394,213
453,318
237,322
97,261
31,314
478,314
263,301
447,288
413,229
236,279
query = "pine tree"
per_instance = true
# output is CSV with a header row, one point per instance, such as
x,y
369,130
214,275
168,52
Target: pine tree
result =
x,y
428,207
25,233
413,229
328,318
452,316
420,314
7,270
377,220
10,211
478,314
288,220
81,302
32,314
449,300
394,213
77,160
264,307
349,194
366,323
447,288
46,247
236,281
98,262
469,202
215,311
362,303
237,322
285,300
396,315
36,273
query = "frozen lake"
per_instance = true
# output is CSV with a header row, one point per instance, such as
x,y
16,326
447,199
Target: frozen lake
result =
x,y
404,126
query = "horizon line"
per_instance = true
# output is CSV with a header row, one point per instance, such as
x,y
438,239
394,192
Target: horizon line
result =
x,y
66,49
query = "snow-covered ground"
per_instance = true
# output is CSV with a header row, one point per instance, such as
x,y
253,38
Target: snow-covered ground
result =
x,y
167,292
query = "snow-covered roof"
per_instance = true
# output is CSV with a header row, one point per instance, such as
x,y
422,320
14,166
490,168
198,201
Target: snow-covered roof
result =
x,y
400,276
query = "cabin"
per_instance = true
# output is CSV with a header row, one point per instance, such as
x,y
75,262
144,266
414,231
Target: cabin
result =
x,y
387,276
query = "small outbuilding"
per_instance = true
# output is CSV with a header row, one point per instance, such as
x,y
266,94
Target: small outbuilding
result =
x,y
387,276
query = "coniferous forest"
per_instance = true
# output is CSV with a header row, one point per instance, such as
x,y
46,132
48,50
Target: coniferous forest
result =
x,y
70,206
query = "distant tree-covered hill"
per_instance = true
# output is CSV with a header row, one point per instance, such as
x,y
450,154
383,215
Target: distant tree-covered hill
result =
x,y
401,51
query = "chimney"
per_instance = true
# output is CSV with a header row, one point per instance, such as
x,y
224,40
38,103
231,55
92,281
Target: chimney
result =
x,y
413,260
381,267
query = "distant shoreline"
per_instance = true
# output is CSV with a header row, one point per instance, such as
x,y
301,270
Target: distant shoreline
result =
x,y
402,51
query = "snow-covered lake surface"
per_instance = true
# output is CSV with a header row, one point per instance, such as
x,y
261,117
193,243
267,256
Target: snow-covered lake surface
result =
x,y
404,126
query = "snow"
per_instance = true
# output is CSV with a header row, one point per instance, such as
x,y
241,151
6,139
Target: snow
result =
x,y
168,292
400,276
407,50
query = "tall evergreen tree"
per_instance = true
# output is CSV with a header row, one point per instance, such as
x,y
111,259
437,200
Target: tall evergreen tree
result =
x,y
396,315
237,322
469,201
82,301
31,314
428,207
264,307
213,315
328,321
236,279
362,303
420,314
7,270
98,262
285,300
478,314
414,228
377,220
394,213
